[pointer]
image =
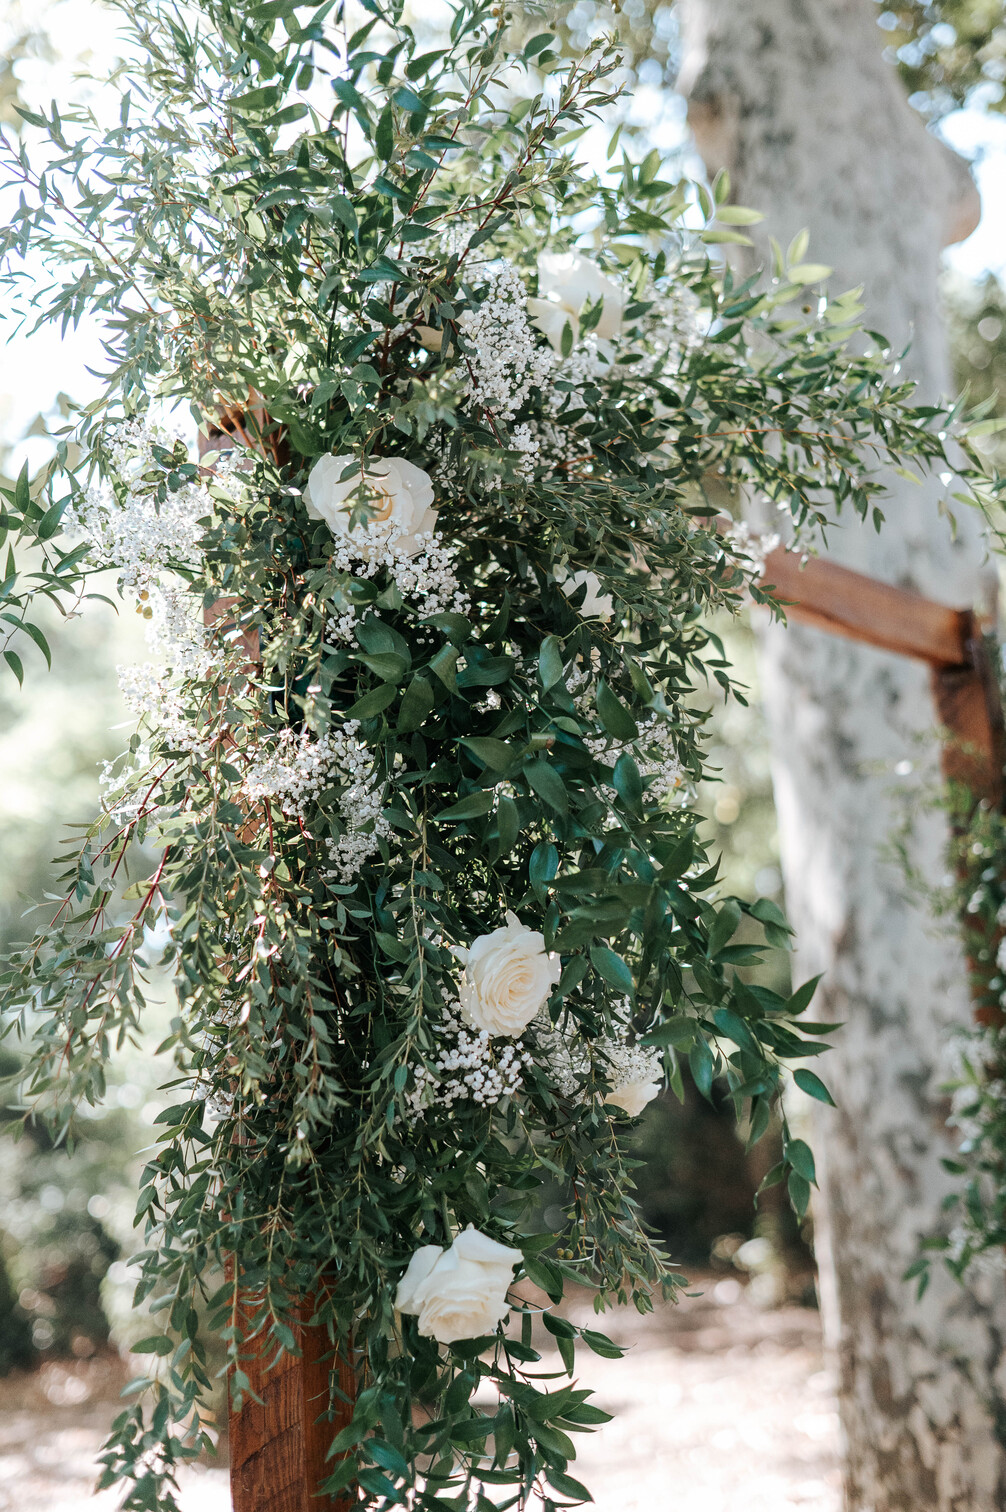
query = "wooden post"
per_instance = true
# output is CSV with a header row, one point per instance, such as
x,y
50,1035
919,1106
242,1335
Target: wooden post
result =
x,y
279,1445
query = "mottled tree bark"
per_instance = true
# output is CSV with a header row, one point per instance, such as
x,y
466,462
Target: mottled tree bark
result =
x,y
795,98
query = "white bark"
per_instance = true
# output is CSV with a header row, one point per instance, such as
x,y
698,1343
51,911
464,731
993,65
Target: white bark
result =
x,y
795,98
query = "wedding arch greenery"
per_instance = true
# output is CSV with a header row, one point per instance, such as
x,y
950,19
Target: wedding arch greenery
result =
x,y
417,742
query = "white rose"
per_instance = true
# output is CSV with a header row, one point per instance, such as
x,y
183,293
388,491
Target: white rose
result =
x,y
594,603
633,1096
565,283
400,496
461,1292
508,976
430,338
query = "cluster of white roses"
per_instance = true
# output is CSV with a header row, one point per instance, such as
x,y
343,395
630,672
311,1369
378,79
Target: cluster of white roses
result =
x,y
507,980
461,1292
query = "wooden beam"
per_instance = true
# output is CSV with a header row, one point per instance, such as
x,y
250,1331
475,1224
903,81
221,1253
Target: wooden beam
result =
x,y
266,1438
820,593
963,681
833,598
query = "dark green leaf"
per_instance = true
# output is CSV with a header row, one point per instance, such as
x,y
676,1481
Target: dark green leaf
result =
x,y
612,969
723,926
700,1063
374,702
801,997
613,715
799,1193
550,668
813,1086
546,782
471,807
417,703
495,754
801,1158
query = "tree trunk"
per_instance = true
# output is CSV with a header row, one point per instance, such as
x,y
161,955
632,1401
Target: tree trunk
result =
x,y
795,98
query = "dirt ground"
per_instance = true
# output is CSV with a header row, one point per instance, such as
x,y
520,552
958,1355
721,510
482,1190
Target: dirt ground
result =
x,y
719,1407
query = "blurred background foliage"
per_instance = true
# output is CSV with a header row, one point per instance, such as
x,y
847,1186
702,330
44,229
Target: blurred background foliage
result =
x,y
66,1214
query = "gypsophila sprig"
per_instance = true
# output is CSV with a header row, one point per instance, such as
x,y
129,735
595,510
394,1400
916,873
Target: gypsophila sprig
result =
x,y
416,739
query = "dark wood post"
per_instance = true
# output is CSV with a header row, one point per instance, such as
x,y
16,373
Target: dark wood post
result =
x,y
279,1444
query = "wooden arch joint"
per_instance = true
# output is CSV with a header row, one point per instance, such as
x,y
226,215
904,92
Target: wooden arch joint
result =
x,y
965,691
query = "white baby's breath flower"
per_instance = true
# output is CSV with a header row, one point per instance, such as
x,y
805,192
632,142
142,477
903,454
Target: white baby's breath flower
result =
x,y
470,1067
507,361
461,1292
635,1073
508,976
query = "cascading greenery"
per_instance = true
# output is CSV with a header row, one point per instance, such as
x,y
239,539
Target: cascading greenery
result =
x,y
428,881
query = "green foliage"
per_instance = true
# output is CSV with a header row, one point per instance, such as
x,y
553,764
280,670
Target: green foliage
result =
x,y
949,52
976,326
325,244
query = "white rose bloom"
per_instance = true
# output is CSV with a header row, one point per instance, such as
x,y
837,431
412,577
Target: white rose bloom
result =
x,y
430,338
601,605
633,1096
508,976
565,282
400,496
461,1292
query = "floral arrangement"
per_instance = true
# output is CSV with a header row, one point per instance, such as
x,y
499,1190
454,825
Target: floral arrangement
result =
x,y
416,745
